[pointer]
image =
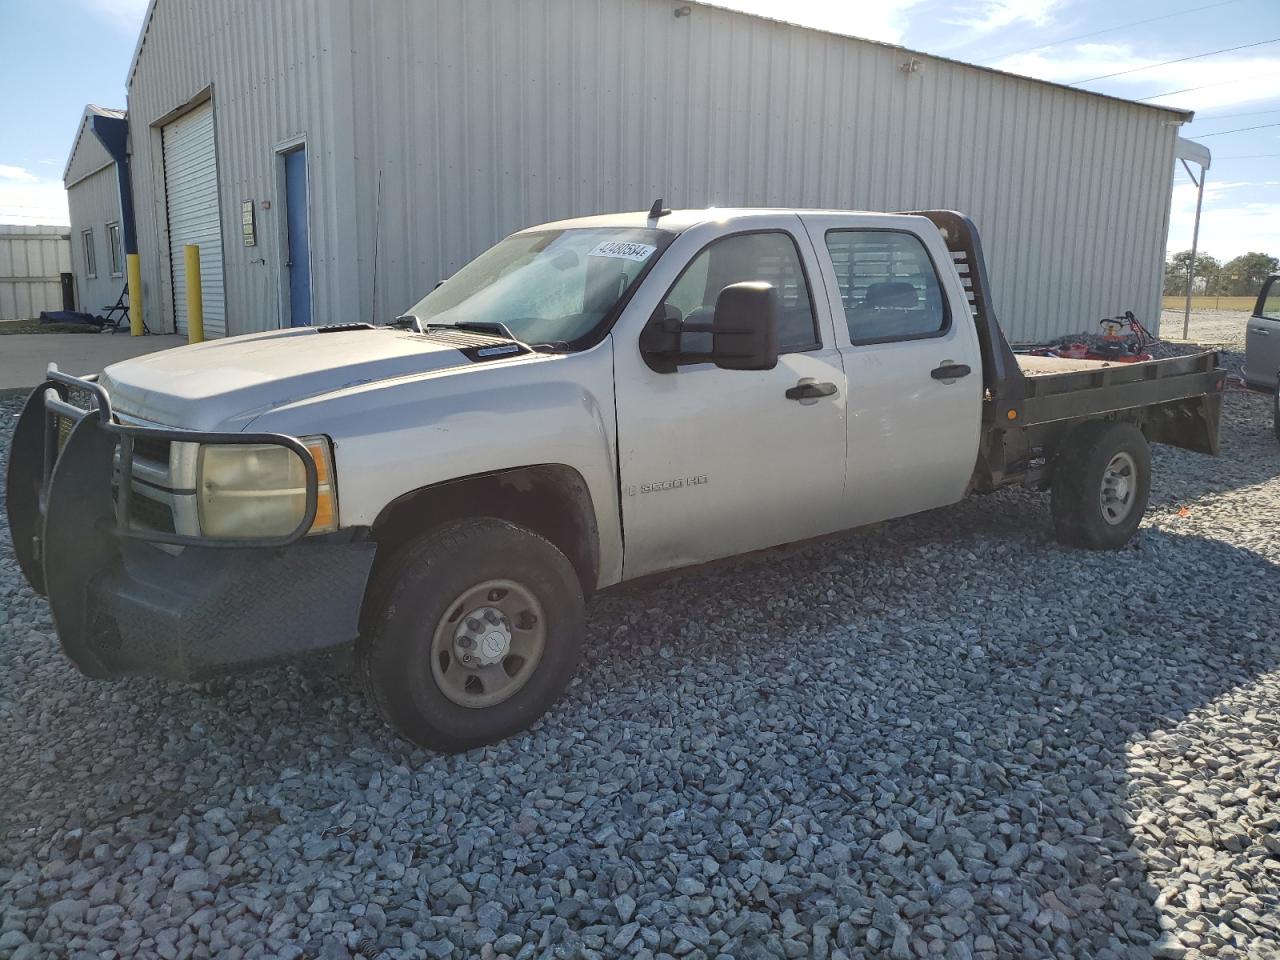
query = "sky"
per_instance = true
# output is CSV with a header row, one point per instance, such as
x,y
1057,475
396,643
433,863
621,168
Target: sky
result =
x,y
58,55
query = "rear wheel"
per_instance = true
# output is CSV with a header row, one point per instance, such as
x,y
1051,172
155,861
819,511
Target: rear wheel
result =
x,y
1275,409
475,630
1101,484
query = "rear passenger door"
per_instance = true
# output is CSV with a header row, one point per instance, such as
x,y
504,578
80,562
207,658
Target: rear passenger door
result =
x,y
1262,339
912,360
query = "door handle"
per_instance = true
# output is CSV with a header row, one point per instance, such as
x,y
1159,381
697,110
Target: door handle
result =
x,y
950,371
1261,331
808,390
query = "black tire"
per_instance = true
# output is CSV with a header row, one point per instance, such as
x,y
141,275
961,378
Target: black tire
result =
x,y
1275,409
1079,467
410,598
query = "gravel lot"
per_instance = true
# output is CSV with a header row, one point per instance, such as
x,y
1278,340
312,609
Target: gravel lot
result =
x,y
944,736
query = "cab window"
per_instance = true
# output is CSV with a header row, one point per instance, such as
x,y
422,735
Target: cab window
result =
x,y
888,285
771,257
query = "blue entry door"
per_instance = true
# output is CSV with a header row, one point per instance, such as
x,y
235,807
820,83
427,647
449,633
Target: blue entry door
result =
x,y
298,260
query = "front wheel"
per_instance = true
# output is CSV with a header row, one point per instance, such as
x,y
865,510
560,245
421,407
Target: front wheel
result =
x,y
1101,483
475,630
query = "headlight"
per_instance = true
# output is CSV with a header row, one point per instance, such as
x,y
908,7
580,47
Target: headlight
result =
x,y
260,490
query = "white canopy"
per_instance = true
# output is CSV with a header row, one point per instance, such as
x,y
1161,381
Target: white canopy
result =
x,y
1197,153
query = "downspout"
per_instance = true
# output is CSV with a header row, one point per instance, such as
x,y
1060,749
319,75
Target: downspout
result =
x,y
113,132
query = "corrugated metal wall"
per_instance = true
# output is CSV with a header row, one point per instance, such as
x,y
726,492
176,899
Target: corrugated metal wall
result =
x,y
95,202
32,260
485,115
436,128
88,155
265,64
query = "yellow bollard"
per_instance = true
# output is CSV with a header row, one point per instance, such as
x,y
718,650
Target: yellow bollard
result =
x,y
133,264
195,299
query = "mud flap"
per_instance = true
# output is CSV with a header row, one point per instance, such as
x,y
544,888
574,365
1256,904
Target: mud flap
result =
x,y
78,540
1191,424
23,481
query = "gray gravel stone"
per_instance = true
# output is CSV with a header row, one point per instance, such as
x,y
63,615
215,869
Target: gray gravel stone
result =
x,y
945,736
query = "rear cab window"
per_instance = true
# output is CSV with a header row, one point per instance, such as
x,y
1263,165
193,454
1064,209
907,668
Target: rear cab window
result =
x,y
889,286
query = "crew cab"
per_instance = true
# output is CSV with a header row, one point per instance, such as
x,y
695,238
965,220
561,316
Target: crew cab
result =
x,y
588,402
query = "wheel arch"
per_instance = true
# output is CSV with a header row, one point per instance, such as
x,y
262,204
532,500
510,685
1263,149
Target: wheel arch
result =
x,y
551,499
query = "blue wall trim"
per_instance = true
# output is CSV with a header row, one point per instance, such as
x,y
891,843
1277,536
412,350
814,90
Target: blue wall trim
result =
x,y
113,132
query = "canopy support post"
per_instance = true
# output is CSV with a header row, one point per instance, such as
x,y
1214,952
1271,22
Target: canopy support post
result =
x,y
1195,242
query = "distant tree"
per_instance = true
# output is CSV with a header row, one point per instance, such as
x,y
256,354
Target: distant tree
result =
x,y
1244,276
1175,274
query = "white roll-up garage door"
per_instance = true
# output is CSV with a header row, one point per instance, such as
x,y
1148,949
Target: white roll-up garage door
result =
x,y
191,191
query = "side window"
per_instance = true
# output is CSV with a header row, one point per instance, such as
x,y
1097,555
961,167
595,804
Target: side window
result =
x,y
888,285
117,252
90,255
1271,305
770,257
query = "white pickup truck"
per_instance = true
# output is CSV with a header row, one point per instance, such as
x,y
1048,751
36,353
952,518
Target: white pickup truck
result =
x,y
588,402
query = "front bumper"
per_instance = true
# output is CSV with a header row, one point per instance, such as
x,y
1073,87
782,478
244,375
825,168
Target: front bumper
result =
x,y
208,612
121,605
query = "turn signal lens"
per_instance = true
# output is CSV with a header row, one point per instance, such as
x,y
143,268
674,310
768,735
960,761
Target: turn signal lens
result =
x,y
326,520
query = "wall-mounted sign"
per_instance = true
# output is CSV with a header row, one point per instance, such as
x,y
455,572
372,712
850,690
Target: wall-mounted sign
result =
x,y
247,224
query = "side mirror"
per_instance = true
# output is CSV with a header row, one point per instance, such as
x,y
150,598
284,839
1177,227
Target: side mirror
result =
x,y
744,330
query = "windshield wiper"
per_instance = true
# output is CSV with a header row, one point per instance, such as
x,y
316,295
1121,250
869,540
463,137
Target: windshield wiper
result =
x,y
487,326
495,327
407,322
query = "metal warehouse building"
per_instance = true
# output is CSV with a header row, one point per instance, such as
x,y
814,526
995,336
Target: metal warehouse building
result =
x,y
335,158
98,188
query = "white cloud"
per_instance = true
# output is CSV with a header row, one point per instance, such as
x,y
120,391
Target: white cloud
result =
x,y
20,174
124,15
1230,224
28,199
1217,81
885,20
998,14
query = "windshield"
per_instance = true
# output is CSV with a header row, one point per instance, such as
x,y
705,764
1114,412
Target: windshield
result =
x,y
548,287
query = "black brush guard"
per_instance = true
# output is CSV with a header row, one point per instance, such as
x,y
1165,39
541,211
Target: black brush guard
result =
x,y
122,608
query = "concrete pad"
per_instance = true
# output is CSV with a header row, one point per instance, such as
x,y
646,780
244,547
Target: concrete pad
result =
x,y
24,357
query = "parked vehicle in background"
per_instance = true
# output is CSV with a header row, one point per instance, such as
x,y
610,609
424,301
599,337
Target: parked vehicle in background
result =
x,y
1262,347
588,402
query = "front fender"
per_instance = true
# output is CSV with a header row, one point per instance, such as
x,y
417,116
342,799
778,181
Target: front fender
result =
x,y
395,438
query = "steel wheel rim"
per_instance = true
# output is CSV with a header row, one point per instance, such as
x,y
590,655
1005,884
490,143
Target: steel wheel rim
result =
x,y
488,643
1119,488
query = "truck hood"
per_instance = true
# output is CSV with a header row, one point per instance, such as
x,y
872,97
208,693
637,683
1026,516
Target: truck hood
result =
x,y
202,386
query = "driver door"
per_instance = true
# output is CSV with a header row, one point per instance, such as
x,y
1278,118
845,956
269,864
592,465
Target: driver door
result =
x,y
717,462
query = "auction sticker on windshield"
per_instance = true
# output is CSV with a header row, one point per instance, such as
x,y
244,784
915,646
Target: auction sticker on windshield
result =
x,y
623,250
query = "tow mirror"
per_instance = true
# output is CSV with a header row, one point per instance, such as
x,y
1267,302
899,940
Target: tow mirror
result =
x,y
743,329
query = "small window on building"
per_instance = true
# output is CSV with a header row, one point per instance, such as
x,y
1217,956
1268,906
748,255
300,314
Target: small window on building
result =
x,y
888,285
117,252
90,256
